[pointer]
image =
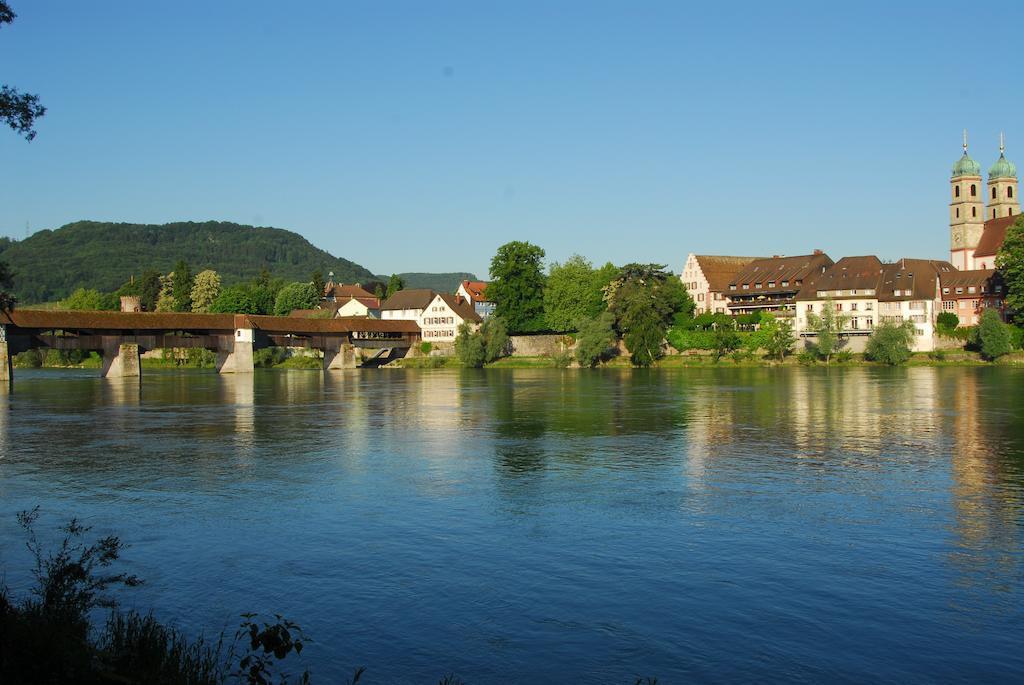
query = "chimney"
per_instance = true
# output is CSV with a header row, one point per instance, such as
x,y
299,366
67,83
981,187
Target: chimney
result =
x,y
458,299
818,252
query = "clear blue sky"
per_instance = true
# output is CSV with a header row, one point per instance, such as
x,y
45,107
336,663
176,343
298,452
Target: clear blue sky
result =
x,y
419,136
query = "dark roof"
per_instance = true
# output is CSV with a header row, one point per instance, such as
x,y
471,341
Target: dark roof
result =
x,y
346,324
416,298
461,306
720,269
849,273
993,235
983,280
345,291
778,269
916,279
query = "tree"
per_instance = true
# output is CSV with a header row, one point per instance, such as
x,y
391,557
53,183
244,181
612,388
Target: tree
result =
x,y
1010,263
295,296
205,290
7,300
993,335
317,277
88,300
236,299
779,339
726,340
495,335
644,300
395,283
596,339
149,290
947,322
828,327
18,110
470,347
569,294
165,300
517,286
890,343
181,286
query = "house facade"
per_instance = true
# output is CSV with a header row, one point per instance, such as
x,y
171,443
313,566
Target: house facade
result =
x,y
475,293
406,305
707,278
867,292
969,293
440,319
365,307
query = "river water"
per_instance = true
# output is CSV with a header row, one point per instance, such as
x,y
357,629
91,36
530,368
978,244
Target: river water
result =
x,y
554,526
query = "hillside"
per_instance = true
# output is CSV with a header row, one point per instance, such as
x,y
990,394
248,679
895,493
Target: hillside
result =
x,y
442,283
51,264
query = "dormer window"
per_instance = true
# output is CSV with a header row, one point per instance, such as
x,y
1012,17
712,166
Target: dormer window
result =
x,y
771,284
785,284
757,285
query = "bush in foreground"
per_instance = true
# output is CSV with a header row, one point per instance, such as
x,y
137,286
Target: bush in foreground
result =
x,y
890,343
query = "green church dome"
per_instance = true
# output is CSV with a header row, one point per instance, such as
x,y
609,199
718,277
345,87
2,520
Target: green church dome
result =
x,y
1003,168
965,166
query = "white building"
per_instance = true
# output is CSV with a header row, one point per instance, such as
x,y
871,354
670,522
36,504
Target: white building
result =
x,y
407,304
707,278
441,318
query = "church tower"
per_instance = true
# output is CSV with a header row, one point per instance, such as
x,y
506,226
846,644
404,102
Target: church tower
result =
x,y
1002,187
966,210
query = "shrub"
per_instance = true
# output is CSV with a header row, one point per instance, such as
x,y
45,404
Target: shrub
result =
x,y
946,322
562,359
937,355
596,341
843,357
726,339
268,357
993,335
890,343
684,339
470,348
426,346
807,357
1016,337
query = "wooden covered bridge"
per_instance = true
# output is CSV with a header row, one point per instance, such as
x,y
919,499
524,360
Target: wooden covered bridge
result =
x,y
120,337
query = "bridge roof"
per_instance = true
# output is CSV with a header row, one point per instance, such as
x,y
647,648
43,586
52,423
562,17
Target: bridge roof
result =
x,y
48,319
136,321
349,324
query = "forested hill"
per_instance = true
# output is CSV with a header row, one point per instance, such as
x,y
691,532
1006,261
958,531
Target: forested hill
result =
x,y
51,264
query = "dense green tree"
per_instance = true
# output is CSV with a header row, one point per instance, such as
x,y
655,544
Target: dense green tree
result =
x,y
295,296
596,339
149,289
317,277
181,286
89,300
1010,263
205,289
890,343
993,335
7,300
470,348
18,110
645,300
165,300
574,292
946,322
517,286
726,340
237,299
828,327
779,340
395,284
495,335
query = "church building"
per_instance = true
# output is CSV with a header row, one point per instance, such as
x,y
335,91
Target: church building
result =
x,y
979,216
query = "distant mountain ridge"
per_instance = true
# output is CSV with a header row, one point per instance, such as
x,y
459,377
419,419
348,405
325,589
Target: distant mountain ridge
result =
x,y
51,264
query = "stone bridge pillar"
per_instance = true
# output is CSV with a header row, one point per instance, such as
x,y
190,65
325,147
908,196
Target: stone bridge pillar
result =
x,y
6,370
120,360
342,358
234,355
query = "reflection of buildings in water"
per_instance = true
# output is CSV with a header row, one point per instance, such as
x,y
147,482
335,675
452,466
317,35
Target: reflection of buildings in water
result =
x,y
122,396
240,395
987,512
711,428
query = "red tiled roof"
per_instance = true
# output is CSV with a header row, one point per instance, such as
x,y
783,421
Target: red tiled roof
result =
x,y
993,235
982,280
341,290
778,269
476,290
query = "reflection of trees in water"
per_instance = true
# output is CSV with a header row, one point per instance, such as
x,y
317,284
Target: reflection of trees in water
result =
x,y
987,455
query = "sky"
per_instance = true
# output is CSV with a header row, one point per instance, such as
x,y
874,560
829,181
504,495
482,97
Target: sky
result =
x,y
421,135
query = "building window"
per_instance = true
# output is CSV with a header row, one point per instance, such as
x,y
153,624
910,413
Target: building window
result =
x,y
948,304
959,291
746,286
993,212
810,307
971,288
839,306
1009,191
853,306
785,284
956,191
974,211
974,190
993,192
957,212
771,284
869,306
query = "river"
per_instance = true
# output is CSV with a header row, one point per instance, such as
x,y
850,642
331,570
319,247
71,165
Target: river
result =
x,y
524,526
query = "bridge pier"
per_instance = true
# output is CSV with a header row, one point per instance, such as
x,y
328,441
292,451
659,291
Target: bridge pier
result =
x,y
234,355
6,370
120,360
342,358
